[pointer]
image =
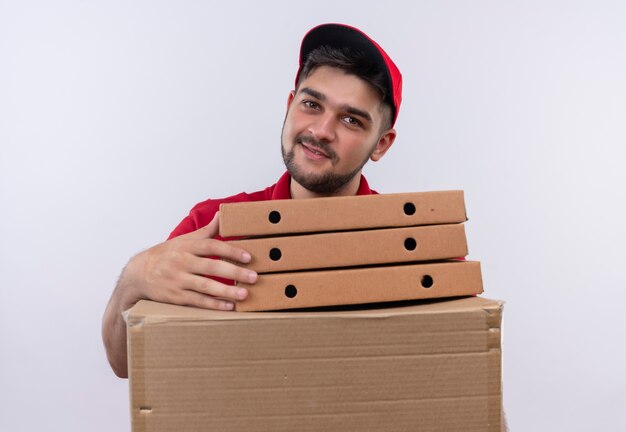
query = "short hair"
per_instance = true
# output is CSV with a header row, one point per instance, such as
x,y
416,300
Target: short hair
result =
x,y
354,63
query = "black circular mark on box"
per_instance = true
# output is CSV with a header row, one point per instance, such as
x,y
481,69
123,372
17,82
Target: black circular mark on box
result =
x,y
275,254
409,209
410,244
427,281
291,291
274,217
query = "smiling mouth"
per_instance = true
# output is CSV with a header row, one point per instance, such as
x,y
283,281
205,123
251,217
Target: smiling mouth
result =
x,y
314,150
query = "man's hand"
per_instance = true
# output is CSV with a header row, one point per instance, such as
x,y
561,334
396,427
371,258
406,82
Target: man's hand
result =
x,y
175,272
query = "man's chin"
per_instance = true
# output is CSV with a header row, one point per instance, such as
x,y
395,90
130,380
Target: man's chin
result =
x,y
315,177
324,184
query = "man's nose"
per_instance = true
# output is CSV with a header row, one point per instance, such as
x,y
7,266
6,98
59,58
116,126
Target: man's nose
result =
x,y
323,127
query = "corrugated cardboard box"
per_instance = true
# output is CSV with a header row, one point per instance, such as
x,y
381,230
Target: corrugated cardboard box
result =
x,y
263,218
429,366
352,248
293,290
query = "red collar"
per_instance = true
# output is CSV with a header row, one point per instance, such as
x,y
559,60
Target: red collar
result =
x,y
282,188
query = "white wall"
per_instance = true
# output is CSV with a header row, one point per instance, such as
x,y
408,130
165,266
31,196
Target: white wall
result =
x,y
117,116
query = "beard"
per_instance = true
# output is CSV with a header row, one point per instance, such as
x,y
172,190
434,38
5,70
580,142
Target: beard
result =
x,y
324,184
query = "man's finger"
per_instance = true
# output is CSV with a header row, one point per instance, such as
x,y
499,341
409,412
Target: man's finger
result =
x,y
196,299
211,247
214,288
213,267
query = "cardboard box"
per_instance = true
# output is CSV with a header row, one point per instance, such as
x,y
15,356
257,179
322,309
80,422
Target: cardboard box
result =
x,y
263,218
362,285
353,248
426,366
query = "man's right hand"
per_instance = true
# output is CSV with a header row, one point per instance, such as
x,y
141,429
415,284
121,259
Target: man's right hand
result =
x,y
175,272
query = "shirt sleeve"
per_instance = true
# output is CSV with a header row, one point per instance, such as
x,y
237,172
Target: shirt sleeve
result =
x,y
201,215
185,226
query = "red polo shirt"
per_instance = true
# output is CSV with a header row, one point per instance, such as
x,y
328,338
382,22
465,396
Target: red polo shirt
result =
x,y
201,214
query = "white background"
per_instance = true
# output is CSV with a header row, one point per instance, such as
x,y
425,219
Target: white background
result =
x,y
117,116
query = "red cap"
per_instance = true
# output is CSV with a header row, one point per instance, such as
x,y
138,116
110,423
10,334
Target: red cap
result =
x,y
341,35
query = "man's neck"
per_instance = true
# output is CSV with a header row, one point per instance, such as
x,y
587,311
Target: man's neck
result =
x,y
351,188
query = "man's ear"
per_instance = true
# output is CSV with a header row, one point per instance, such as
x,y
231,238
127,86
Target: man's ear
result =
x,y
292,94
384,143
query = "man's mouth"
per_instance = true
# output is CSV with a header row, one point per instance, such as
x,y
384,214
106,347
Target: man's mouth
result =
x,y
314,150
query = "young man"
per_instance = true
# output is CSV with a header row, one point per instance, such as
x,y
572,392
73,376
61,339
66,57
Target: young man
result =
x,y
340,115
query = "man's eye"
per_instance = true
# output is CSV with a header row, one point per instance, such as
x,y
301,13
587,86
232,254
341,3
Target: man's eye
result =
x,y
352,121
310,104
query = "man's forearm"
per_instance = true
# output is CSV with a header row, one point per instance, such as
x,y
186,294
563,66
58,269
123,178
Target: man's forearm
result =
x,y
114,326
114,337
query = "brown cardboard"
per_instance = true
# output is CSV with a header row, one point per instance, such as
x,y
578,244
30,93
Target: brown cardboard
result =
x,y
353,248
292,290
424,367
341,213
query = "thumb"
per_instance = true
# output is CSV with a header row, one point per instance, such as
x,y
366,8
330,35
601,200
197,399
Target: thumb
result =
x,y
208,231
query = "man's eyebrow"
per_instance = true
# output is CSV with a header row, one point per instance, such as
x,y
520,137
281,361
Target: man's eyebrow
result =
x,y
314,93
347,108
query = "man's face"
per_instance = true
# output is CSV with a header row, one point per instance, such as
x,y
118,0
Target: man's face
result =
x,y
332,127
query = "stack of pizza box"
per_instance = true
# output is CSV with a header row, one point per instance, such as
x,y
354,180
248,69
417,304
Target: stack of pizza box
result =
x,y
353,250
